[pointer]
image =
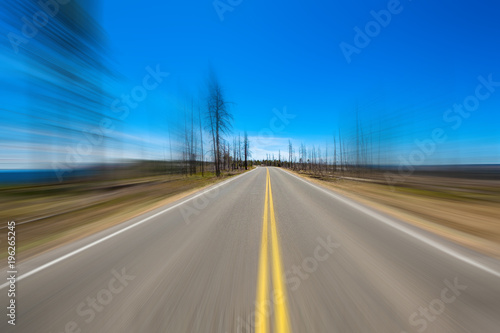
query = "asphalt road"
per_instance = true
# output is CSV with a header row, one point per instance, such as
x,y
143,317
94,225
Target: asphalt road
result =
x,y
263,252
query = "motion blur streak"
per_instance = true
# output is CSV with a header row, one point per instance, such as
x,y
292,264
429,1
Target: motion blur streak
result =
x,y
60,82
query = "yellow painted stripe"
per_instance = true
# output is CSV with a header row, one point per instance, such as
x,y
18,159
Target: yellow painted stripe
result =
x,y
261,306
279,298
282,319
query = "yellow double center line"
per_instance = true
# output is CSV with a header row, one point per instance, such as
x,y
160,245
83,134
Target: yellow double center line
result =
x,y
266,303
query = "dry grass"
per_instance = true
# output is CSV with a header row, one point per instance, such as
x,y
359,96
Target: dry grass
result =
x,y
73,211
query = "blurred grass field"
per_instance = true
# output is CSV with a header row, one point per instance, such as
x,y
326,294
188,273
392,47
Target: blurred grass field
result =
x,y
48,215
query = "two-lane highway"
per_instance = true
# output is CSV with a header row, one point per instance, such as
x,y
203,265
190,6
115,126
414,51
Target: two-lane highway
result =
x,y
263,252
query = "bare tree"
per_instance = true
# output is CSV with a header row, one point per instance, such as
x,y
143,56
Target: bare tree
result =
x,y
219,118
193,143
326,156
202,154
234,153
334,154
239,151
341,155
228,156
246,147
190,142
303,156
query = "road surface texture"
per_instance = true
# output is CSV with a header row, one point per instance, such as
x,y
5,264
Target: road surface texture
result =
x,y
262,252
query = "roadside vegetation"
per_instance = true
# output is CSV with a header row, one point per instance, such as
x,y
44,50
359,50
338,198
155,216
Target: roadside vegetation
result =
x,y
51,214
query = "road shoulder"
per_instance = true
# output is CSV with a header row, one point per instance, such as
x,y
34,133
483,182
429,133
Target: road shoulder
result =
x,y
468,240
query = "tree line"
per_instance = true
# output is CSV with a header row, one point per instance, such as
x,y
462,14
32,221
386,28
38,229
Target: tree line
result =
x,y
358,151
211,122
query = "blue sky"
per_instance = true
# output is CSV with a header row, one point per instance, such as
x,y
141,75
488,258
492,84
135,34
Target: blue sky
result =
x,y
287,55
